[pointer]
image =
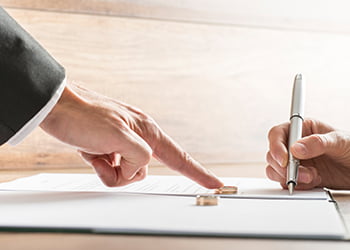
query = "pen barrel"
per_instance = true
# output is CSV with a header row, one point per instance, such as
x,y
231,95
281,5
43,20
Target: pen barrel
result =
x,y
292,173
295,133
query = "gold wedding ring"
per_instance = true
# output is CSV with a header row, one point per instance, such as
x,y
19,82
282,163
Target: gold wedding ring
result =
x,y
226,190
207,200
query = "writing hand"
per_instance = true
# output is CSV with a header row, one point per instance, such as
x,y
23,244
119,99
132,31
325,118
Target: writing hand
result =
x,y
324,153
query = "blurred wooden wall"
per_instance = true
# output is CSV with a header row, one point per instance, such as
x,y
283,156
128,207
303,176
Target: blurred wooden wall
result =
x,y
216,75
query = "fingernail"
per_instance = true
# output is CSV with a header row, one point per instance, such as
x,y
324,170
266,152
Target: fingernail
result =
x,y
305,178
132,177
300,148
129,176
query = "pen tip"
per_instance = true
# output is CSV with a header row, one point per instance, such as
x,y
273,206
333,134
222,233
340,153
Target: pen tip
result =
x,y
299,77
291,187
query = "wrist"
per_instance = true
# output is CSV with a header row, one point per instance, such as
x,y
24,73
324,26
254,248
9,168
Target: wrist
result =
x,y
65,103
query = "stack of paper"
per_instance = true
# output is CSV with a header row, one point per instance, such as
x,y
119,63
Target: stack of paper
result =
x,y
165,205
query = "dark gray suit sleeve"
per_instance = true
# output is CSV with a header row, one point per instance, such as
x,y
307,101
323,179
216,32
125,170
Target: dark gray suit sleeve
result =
x,y
29,77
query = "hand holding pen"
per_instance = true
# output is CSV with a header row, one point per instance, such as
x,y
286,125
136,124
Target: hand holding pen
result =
x,y
323,152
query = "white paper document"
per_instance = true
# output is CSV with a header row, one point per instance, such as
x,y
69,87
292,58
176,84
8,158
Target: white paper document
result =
x,y
80,203
165,185
107,212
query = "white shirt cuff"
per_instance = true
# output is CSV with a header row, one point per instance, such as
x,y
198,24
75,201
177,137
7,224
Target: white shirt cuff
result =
x,y
38,118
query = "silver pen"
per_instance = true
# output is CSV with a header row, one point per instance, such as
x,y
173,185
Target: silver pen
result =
x,y
295,130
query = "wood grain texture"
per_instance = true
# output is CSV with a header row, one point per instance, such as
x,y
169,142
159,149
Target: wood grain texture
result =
x,y
58,241
243,170
322,15
215,89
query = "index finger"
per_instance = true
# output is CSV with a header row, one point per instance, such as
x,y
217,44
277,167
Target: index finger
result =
x,y
278,139
170,153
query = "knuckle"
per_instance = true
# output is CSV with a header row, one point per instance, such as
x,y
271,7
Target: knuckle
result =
x,y
315,125
149,125
320,141
146,126
267,170
277,130
272,131
340,143
146,121
268,157
187,158
341,139
309,123
119,125
110,184
146,157
107,181
186,161
270,173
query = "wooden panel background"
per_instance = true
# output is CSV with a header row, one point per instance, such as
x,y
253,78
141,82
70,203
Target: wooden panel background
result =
x,y
321,15
216,89
216,75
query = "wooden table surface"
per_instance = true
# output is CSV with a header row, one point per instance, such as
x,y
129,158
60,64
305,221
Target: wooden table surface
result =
x,y
216,75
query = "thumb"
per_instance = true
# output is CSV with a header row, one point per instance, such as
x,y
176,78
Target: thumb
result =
x,y
318,144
